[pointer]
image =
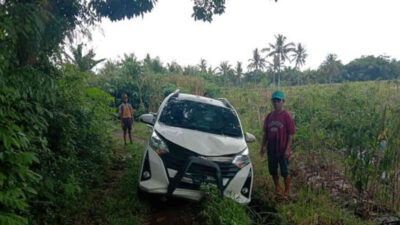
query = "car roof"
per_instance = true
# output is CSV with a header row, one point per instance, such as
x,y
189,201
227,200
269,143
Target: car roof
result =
x,y
197,98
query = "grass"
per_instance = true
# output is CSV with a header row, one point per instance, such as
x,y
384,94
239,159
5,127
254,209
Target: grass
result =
x,y
116,201
122,205
306,206
221,211
141,131
313,207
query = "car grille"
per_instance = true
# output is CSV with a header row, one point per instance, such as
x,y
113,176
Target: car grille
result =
x,y
178,156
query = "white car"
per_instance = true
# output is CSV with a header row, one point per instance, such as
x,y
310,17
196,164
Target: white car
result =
x,y
196,140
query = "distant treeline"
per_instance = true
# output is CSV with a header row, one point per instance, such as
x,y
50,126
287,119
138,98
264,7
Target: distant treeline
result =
x,y
147,81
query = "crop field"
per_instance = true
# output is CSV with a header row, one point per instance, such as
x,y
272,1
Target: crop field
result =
x,y
339,129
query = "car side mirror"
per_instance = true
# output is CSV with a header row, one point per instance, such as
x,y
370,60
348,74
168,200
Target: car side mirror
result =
x,y
147,119
249,137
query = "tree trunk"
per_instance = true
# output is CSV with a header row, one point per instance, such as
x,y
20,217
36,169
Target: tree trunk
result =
x,y
279,77
274,79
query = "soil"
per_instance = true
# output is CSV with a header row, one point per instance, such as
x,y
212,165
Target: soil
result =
x,y
174,211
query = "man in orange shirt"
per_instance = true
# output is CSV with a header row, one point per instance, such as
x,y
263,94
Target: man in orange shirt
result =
x,y
126,117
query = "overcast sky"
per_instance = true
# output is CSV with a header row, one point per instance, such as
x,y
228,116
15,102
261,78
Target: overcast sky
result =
x,y
348,28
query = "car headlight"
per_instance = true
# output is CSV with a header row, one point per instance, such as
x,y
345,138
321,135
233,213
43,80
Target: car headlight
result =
x,y
242,159
157,144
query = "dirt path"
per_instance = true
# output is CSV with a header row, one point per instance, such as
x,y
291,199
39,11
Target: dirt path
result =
x,y
172,212
107,196
93,214
120,135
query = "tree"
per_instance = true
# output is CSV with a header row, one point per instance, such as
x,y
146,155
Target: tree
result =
x,y
203,65
47,24
281,49
211,70
372,68
226,71
331,66
174,67
83,63
299,57
257,63
190,70
224,68
153,64
274,66
238,72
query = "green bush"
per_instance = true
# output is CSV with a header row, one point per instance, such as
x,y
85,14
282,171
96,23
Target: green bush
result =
x,y
23,118
54,143
221,211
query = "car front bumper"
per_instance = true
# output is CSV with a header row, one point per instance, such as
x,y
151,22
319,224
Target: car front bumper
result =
x,y
164,180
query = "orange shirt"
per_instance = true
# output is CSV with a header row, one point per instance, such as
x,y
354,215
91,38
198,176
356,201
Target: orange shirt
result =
x,y
127,111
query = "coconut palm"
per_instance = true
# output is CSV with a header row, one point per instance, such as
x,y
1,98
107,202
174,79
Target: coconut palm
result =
x,y
257,63
274,66
211,70
203,65
224,68
331,66
174,67
281,49
226,71
238,72
84,63
299,57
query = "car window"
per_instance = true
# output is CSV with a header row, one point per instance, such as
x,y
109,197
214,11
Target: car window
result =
x,y
201,116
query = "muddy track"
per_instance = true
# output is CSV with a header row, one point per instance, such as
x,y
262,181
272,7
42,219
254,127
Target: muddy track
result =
x,y
174,211
120,135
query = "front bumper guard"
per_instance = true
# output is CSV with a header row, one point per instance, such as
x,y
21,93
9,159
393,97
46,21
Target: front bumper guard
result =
x,y
200,161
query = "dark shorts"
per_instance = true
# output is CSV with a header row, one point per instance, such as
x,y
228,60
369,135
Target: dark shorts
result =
x,y
273,163
126,124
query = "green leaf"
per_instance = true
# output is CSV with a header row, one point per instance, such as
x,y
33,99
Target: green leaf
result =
x,y
12,219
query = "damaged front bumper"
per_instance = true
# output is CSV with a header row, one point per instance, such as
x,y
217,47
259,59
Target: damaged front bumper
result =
x,y
181,173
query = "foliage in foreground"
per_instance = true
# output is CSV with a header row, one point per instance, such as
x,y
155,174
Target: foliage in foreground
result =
x,y
54,143
221,211
310,207
122,206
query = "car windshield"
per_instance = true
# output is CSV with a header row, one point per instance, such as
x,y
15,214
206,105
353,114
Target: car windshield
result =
x,y
200,116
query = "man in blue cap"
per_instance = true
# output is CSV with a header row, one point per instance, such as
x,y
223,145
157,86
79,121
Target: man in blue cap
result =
x,y
278,135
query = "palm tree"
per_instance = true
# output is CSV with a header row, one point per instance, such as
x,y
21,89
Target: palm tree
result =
x,y
257,62
299,57
211,70
274,66
174,67
203,66
238,72
225,70
331,66
280,49
84,63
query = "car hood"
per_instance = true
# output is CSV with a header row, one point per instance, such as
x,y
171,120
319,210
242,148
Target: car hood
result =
x,y
203,143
